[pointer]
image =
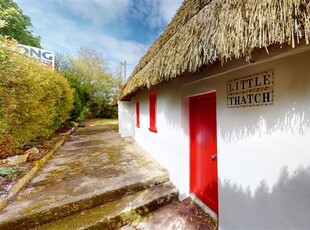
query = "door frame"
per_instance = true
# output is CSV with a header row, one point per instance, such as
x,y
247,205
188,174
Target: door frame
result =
x,y
200,203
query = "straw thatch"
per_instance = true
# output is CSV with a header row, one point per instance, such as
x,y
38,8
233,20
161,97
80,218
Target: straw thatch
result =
x,y
205,31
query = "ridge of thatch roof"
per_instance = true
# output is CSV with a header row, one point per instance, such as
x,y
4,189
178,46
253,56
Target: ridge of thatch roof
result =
x,y
205,31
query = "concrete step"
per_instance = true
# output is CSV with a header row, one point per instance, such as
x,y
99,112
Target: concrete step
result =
x,y
119,212
41,213
181,215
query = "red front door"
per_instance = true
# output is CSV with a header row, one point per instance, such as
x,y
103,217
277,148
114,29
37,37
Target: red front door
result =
x,y
203,149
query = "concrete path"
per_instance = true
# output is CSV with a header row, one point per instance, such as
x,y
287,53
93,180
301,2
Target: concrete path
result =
x,y
96,181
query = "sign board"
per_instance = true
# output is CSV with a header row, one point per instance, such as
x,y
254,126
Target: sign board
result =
x,y
44,56
252,90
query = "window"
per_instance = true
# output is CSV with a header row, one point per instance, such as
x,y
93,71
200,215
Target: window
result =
x,y
137,114
152,110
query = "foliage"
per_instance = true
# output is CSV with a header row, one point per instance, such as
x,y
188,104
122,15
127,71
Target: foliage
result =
x,y
96,90
81,96
17,24
9,172
34,99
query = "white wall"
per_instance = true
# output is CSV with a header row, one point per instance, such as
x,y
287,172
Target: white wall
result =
x,y
166,145
263,152
126,118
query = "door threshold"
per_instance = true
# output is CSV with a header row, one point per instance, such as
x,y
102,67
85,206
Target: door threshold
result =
x,y
203,206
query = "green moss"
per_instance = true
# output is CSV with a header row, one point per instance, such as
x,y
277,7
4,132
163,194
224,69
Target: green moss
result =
x,y
90,143
86,131
114,156
9,172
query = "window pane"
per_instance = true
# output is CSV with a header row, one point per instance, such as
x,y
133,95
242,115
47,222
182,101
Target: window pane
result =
x,y
137,114
152,111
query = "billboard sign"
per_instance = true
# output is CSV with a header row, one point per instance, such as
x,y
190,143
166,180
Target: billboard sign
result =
x,y
44,56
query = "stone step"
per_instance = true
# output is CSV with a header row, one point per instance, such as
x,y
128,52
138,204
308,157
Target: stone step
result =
x,y
39,214
182,215
119,212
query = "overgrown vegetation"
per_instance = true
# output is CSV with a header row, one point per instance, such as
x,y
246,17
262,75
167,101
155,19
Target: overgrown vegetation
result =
x,y
15,24
34,100
9,172
96,90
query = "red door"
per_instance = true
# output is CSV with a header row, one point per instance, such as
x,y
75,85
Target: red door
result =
x,y
203,149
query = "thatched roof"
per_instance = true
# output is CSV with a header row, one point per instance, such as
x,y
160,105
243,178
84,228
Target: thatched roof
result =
x,y
205,31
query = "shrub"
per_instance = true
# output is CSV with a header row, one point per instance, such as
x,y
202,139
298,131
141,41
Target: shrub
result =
x,y
34,99
95,88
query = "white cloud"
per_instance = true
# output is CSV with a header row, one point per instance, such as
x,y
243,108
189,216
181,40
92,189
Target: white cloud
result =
x,y
61,34
67,36
146,11
99,11
121,50
156,13
168,8
103,11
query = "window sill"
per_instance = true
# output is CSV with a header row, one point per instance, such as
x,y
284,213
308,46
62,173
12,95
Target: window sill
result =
x,y
153,129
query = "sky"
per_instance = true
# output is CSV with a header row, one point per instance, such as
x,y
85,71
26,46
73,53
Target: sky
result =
x,y
120,30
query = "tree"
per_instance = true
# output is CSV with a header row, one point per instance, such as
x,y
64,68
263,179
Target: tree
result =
x,y
17,24
95,88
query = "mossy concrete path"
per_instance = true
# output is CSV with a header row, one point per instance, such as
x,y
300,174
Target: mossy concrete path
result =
x,y
97,180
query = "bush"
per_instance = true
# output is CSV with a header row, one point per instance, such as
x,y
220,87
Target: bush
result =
x,y
79,99
34,100
103,110
95,88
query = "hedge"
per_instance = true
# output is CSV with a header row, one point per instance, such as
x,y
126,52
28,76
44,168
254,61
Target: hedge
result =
x,y
34,100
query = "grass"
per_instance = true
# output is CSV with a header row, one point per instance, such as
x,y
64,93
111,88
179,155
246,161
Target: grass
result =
x,y
9,172
94,122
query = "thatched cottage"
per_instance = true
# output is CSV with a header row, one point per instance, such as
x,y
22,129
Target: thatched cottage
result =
x,y
222,100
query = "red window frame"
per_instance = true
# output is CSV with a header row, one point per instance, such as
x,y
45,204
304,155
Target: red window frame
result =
x,y
137,114
152,112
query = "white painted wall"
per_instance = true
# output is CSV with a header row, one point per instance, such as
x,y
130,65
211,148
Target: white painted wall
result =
x,y
126,117
268,175
166,145
263,152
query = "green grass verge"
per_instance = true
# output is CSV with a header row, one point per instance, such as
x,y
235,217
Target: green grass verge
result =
x,y
106,122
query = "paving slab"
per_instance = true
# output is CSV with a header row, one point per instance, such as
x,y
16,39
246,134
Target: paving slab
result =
x,y
93,167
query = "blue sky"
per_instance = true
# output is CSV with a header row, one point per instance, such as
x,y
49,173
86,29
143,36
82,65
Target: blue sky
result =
x,y
118,29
